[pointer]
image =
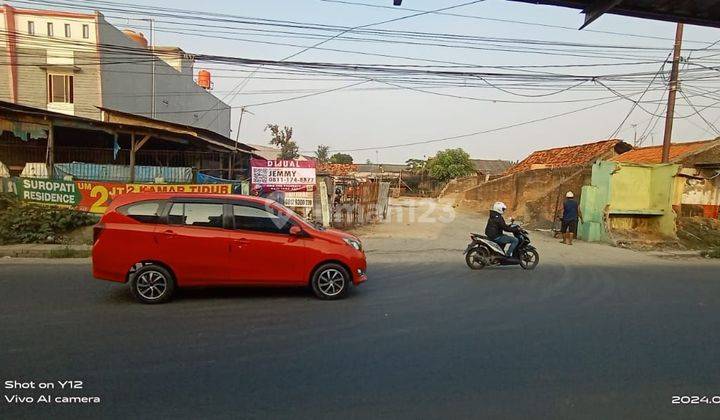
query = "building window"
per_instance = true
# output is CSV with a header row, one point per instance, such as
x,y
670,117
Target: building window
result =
x,y
67,30
60,88
31,27
50,29
86,31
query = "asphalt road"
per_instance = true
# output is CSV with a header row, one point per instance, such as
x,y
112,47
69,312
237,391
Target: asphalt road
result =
x,y
594,332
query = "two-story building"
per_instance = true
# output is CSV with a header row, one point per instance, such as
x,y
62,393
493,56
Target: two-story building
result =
x,y
79,64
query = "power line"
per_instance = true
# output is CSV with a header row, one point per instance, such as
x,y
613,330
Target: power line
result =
x,y
492,130
543,25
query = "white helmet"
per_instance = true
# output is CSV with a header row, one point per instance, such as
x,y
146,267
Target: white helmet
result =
x,y
499,207
569,194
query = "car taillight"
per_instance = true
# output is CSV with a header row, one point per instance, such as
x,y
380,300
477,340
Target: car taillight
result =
x,y
97,230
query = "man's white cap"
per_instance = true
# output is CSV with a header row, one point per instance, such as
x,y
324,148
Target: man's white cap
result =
x,y
569,194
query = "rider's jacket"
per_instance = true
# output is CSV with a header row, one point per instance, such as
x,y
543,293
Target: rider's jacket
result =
x,y
496,225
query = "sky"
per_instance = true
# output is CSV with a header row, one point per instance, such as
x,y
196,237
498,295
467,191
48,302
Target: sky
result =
x,y
366,117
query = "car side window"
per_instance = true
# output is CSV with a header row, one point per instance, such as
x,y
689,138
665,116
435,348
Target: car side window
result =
x,y
144,212
258,219
196,214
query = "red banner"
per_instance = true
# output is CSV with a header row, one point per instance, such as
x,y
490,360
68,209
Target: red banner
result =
x,y
95,197
282,175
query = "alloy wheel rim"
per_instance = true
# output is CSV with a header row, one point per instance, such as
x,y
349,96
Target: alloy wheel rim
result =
x,y
477,258
151,284
528,258
331,282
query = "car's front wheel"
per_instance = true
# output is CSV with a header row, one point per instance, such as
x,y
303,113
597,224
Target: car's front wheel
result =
x,y
330,281
152,284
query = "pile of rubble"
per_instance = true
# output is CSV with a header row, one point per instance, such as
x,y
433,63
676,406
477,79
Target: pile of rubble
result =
x,y
699,232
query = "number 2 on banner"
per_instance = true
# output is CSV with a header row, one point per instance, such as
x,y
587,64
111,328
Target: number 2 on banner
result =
x,y
99,206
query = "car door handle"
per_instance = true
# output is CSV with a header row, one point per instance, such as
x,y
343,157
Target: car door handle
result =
x,y
169,232
237,243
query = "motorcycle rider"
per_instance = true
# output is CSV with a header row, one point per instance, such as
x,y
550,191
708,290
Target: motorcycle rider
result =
x,y
496,226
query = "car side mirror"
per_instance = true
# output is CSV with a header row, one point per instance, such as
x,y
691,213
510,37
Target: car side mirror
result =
x,y
296,231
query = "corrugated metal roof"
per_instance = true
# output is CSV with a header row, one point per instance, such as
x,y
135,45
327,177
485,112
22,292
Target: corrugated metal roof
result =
x,y
269,152
103,172
653,154
377,168
696,12
140,124
492,167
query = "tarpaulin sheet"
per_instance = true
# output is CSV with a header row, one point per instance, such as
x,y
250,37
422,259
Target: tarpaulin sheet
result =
x,y
102,172
239,187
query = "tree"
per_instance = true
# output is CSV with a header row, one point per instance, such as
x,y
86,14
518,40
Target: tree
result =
x,y
283,139
449,164
322,153
341,158
416,166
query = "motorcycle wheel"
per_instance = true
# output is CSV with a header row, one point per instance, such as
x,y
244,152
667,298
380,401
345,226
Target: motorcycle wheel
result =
x,y
529,259
475,258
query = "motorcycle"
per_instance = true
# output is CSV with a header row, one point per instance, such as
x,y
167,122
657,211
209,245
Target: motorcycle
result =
x,y
483,252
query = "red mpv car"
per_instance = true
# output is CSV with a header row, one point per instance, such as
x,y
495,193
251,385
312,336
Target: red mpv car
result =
x,y
160,241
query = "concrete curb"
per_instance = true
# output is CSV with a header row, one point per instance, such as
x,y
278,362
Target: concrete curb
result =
x,y
676,254
41,250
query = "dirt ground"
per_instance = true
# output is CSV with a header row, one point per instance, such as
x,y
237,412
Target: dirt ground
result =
x,y
434,230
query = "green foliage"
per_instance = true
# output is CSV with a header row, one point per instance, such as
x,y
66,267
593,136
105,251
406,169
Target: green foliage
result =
x,y
341,158
283,138
322,154
68,252
33,223
712,253
7,200
416,166
450,164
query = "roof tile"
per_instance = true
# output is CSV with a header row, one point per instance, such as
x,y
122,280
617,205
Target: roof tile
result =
x,y
653,154
560,157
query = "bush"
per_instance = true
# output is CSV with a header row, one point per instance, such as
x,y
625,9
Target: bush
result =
x,y
7,200
712,253
34,223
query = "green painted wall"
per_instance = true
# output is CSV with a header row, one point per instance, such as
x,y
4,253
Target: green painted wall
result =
x,y
593,200
628,195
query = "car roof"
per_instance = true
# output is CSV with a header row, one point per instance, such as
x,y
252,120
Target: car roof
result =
x,y
129,198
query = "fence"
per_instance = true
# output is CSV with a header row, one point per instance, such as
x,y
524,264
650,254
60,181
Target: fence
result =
x,y
359,203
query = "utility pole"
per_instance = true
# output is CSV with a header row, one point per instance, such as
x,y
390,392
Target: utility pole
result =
x,y
674,83
237,135
635,143
154,57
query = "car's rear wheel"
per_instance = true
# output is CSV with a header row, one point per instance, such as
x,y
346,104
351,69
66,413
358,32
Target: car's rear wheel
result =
x,y
152,284
330,281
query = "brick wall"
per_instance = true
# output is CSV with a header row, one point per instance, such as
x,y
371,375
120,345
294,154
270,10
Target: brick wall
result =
x,y
531,196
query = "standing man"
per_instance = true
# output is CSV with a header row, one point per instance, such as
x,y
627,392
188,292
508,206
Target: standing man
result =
x,y
571,213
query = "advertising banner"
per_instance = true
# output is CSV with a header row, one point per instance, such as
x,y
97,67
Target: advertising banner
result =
x,y
299,199
47,191
95,197
282,175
